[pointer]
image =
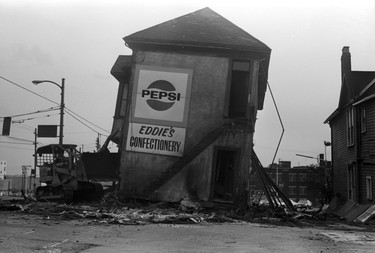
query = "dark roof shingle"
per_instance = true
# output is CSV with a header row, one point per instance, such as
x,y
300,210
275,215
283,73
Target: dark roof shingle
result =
x,y
203,28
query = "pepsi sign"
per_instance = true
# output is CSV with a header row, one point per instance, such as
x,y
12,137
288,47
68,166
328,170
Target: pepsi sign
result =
x,y
161,95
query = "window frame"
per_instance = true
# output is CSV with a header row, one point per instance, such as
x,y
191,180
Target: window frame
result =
x,y
292,190
363,120
350,123
368,187
292,177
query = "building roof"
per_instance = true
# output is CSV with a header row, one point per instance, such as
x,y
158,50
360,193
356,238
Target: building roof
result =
x,y
353,86
203,29
355,89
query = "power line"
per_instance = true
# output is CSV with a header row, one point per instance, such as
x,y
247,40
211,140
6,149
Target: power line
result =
x,y
71,112
7,147
23,120
28,90
81,122
20,139
18,143
86,120
36,112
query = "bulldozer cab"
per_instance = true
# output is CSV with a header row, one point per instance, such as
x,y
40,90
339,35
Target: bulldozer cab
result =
x,y
57,163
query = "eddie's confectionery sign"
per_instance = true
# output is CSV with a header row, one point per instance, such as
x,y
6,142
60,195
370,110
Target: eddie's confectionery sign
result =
x,y
160,107
156,139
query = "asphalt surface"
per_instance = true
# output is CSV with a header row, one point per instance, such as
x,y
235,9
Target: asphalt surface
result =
x,y
23,232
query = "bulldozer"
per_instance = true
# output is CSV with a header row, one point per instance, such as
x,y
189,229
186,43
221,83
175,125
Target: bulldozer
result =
x,y
68,175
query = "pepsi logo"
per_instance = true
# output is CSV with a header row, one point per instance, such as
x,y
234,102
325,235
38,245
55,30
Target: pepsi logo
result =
x,y
161,95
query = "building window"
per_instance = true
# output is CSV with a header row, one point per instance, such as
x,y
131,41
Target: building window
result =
x,y
239,89
369,187
292,190
363,120
351,182
302,177
302,190
292,177
279,178
350,126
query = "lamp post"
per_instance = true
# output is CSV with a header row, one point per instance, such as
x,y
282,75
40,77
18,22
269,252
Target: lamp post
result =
x,y
62,105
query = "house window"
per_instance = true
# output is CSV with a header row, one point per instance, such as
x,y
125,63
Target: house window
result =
x,y
292,190
350,126
363,120
369,187
292,177
239,89
351,182
302,190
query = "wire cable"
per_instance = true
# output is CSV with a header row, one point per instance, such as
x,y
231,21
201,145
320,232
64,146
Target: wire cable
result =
x,y
68,112
28,90
86,120
36,112
23,120
66,109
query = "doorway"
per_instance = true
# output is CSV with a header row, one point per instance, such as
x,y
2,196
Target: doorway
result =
x,y
223,176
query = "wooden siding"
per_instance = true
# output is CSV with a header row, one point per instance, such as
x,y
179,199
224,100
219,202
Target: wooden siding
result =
x,y
342,155
367,151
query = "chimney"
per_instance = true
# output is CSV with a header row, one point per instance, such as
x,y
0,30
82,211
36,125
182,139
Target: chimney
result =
x,y
346,64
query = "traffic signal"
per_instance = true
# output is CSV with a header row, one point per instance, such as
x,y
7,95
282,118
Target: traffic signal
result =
x,y
6,126
97,144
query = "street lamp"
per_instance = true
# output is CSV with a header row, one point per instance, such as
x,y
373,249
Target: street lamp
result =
x,y
62,87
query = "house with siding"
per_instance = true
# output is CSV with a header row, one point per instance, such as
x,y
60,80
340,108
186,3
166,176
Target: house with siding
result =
x,y
187,103
353,134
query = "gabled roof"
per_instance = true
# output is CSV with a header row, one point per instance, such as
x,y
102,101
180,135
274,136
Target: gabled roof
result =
x,y
353,86
356,89
203,28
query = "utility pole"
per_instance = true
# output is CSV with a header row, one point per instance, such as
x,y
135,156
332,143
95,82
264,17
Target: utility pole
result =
x,y
35,156
62,104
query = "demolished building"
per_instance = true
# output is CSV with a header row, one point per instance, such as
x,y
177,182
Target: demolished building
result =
x,y
186,109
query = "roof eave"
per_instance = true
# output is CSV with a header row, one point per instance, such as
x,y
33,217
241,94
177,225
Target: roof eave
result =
x,y
137,43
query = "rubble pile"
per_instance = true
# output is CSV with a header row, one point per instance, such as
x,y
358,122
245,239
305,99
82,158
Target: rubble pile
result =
x,y
111,210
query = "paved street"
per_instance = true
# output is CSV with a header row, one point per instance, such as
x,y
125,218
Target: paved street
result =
x,y
22,232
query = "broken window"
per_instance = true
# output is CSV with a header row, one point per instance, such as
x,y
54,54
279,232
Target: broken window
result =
x,y
239,89
302,190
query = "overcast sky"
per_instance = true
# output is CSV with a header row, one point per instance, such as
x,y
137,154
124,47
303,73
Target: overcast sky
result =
x,y
80,41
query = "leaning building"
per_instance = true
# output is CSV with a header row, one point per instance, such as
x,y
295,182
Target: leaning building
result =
x,y
186,108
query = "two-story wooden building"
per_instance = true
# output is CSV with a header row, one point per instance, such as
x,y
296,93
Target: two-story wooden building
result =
x,y
186,108
353,134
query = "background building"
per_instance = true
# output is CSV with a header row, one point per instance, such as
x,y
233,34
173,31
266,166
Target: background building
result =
x,y
353,134
299,183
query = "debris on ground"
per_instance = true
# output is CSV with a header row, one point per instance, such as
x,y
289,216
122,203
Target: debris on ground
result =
x,y
112,210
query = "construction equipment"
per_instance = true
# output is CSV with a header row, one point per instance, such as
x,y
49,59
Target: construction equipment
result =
x,y
68,175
